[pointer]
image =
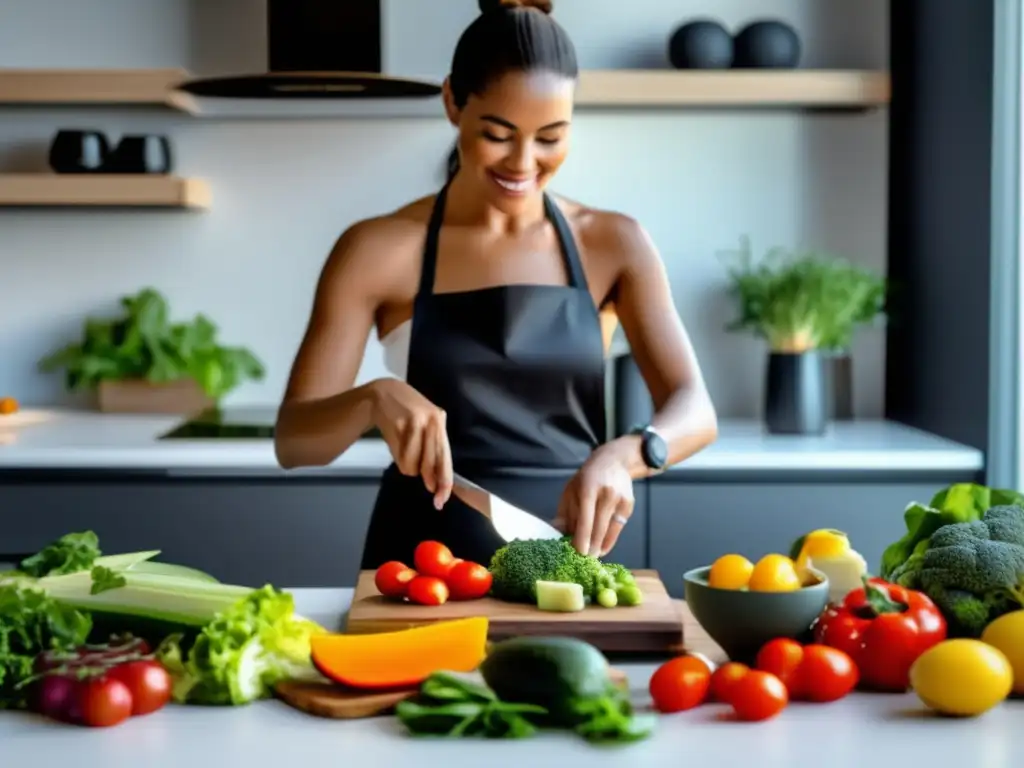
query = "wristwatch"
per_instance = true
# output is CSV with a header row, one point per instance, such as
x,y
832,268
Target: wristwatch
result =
x,y
653,447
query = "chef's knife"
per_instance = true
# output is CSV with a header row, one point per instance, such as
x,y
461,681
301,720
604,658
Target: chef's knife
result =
x,y
508,520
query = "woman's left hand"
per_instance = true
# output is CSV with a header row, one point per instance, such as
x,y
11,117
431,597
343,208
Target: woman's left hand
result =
x,y
596,504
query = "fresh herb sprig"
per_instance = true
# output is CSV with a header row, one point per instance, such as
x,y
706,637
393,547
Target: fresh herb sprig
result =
x,y
451,706
448,705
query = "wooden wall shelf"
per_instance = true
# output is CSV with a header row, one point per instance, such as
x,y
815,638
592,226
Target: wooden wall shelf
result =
x,y
50,190
98,87
798,88
599,89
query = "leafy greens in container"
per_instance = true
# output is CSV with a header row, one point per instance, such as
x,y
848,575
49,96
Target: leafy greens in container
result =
x,y
799,302
144,345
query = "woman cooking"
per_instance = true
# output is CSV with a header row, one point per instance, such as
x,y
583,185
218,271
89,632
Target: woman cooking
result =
x,y
487,298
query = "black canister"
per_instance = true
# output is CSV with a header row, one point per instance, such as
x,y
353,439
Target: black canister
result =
x,y
797,393
633,405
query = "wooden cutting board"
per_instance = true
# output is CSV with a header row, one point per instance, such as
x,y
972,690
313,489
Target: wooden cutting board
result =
x,y
656,626
326,699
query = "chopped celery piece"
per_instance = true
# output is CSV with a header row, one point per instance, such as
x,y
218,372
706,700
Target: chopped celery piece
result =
x,y
560,596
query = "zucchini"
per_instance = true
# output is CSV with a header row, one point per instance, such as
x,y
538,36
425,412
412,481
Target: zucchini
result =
x,y
552,672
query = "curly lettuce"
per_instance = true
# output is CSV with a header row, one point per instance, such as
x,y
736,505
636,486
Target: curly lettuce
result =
x,y
243,653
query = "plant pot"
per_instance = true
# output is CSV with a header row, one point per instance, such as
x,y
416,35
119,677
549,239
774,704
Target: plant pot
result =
x,y
183,397
842,386
797,393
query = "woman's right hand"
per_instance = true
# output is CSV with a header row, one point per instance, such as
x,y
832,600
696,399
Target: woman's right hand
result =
x,y
416,433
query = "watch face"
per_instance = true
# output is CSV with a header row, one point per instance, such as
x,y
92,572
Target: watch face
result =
x,y
656,450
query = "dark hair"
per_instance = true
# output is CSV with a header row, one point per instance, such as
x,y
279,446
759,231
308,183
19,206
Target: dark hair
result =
x,y
508,35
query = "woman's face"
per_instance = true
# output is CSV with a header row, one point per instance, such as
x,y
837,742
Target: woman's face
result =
x,y
515,136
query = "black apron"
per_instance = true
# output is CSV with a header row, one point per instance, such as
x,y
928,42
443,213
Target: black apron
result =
x,y
520,371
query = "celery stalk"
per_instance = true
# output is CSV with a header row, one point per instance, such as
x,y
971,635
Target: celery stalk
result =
x,y
125,561
175,599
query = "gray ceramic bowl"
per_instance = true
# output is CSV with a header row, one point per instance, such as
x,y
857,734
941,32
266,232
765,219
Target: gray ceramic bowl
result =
x,y
741,622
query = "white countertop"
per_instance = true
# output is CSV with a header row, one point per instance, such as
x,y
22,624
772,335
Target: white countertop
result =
x,y
863,729
67,439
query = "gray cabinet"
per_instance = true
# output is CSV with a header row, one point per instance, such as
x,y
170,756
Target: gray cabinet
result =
x,y
692,524
296,533
290,533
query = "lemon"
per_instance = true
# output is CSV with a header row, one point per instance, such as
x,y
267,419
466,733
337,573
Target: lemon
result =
x,y
961,677
1007,634
730,572
774,573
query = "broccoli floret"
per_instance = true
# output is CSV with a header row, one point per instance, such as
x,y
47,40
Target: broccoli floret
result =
x,y
965,613
973,571
519,565
1006,523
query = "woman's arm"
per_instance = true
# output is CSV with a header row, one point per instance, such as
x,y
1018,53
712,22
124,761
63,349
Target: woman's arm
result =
x,y
322,414
684,414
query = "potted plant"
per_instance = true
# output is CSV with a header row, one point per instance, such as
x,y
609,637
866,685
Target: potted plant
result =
x,y
141,362
806,306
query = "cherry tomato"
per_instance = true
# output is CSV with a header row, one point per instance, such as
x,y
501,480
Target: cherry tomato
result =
x,y
680,684
725,678
468,581
147,681
428,590
432,558
827,674
782,657
758,695
392,578
105,701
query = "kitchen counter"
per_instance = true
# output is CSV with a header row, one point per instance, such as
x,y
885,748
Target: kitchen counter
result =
x,y
90,440
860,730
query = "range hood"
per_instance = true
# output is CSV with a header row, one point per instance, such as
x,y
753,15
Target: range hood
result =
x,y
319,49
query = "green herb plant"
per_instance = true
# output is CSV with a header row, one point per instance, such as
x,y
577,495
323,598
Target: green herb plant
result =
x,y
143,344
801,301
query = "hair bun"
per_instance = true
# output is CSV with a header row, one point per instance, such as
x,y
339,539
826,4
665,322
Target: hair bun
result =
x,y
544,6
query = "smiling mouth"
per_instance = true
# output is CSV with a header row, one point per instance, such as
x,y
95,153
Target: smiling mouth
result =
x,y
514,186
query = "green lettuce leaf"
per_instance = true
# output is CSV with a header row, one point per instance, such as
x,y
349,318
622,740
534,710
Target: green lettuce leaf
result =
x,y
243,653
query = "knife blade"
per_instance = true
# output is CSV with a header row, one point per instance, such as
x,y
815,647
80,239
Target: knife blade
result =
x,y
509,521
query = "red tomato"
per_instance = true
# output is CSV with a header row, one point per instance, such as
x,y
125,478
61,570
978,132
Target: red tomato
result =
x,y
827,674
105,701
392,579
758,695
428,590
147,681
468,581
724,680
432,558
782,657
680,684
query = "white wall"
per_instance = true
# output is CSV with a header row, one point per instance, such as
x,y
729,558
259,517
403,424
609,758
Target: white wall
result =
x,y
284,189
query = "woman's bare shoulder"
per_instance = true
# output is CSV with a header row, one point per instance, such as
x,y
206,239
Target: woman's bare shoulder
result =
x,y
606,232
380,244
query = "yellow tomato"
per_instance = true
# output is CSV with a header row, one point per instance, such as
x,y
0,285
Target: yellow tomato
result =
x,y
774,573
961,677
1007,634
730,572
